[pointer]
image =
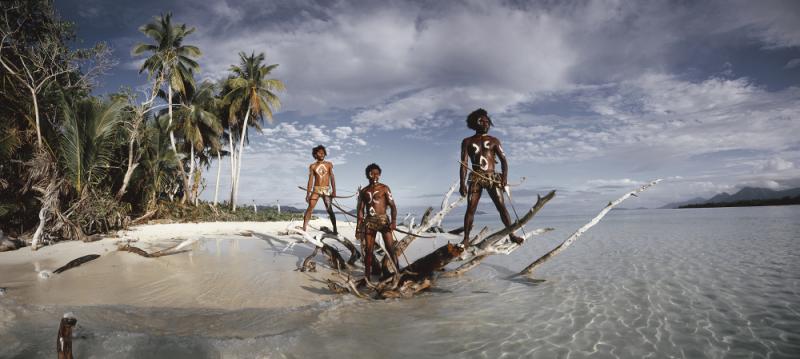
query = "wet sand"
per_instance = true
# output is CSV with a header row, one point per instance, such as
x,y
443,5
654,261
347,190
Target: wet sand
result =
x,y
237,280
233,265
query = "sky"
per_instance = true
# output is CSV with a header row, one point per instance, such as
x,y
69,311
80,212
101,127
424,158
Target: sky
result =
x,y
589,98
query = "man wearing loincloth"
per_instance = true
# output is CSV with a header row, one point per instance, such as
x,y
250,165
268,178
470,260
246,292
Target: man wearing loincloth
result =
x,y
372,218
481,149
321,183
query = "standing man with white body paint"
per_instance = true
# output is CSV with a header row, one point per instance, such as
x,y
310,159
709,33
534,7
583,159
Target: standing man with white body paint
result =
x,y
374,202
481,149
321,183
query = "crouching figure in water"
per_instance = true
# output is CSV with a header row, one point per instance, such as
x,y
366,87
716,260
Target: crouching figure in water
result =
x,y
373,202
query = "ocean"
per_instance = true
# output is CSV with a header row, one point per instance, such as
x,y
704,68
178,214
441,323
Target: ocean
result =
x,y
688,283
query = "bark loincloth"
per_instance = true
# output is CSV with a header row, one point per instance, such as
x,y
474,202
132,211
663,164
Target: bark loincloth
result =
x,y
377,223
322,190
487,180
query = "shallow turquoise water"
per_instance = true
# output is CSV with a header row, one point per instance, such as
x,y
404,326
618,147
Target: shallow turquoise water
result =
x,y
694,283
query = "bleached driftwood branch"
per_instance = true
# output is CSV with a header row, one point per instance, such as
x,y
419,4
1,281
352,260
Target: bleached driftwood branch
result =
x,y
504,247
531,267
335,259
503,233
493,245
428,220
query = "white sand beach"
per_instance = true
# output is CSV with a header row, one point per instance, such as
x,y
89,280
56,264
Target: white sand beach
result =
x,y
238,279
233,265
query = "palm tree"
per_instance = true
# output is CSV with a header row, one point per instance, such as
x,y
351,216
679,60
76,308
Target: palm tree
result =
x,y
87,142
158,160
252,93
86,149
170,60
199,125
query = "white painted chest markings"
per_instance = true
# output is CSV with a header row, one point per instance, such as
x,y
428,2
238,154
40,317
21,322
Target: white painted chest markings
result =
x,y
373,198
322,170
476,148
486,144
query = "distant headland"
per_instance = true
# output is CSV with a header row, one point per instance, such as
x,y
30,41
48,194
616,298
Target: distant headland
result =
x,y
746,197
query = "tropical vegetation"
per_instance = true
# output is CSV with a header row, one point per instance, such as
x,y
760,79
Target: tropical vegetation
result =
x,y
73,164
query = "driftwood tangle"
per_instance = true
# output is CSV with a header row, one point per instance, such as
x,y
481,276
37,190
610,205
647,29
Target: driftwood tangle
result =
x,y
422,273
331,253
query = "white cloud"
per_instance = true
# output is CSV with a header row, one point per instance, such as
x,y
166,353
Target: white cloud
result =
x,y
657,114
614,183
776,164
354,57
342,132
421,109
765,183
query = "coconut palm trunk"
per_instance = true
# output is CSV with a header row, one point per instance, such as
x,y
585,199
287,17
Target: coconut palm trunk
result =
x,y
241,152
233,170
191,173
169,108
216,184
186,181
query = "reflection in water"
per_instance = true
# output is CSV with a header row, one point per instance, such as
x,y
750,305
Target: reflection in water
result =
x,y
656,283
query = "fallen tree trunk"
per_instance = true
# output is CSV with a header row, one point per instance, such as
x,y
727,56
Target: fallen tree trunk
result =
x,y
179,248
560,248
76,262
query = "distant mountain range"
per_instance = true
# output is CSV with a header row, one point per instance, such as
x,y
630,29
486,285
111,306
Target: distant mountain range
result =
x,y
745,194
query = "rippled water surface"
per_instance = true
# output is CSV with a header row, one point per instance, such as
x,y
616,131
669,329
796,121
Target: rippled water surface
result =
x,y
698,283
